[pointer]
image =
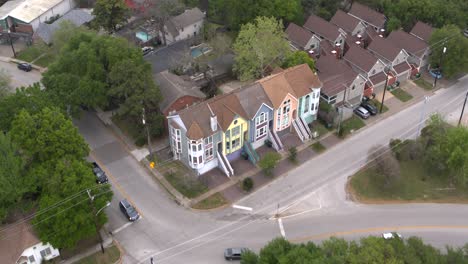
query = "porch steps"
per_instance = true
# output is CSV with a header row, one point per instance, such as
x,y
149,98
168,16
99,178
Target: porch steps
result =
x,y
224,164
253,156
301,129
277,145
306,127
298,131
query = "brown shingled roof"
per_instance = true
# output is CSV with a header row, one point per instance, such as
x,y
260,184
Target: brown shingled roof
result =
x,y
347,22
200,114
194,132
404,66
367,14
360,58
14,239
422,31
251,98
334,74
384,48
410,43
226,107
299,36
322,27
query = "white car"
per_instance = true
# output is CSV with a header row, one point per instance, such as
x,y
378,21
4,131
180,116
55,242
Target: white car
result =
x,y
390,235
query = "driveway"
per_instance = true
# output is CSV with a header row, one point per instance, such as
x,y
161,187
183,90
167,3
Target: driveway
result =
x,y
20,78
169,56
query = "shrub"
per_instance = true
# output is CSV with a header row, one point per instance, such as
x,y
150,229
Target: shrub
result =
x,y
292,154
269,162
140,141
386,165
247,184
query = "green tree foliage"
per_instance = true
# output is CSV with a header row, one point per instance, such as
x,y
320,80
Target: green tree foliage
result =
x,y
47,135
69,220
64,33
161,11
297,58
369,250
269,162
323,8
259,46
31,98
237,13
110,13
11,175
4,83
455,60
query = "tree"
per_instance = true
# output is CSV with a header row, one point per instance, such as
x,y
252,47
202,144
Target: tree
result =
x,y
47,135
455,60
393,24
64,33
274,250
299,255
292,154
110,13
386,165
69,220
269,162
298,58
161,11
11,175
4,83
323,8
249,257
259,46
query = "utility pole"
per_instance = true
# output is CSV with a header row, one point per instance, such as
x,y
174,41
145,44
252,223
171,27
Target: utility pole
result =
x,y
385,89
463,109
440,66
11,43
91,199
148,135
341,112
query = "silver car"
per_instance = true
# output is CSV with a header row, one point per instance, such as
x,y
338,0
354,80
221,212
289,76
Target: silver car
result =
x,y
362,112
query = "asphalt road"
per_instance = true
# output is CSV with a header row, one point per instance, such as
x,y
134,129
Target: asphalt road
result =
x,y
20,78
312,196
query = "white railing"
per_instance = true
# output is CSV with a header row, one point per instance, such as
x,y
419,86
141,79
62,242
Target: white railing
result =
x,y
298,131
223,166
306,127
277,145
228,165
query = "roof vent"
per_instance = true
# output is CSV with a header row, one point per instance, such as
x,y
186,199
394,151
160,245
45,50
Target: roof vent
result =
x,y
213,122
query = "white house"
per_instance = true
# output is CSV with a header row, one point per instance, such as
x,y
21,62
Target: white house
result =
x,y
184,26
19,245
33,12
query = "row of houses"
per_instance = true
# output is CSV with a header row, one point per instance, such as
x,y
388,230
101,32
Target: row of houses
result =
x,y
353,55
217,131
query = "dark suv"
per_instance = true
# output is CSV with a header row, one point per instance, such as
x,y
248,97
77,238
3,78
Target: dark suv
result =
x,y
25,67
369,107
101,176
128,210
234,253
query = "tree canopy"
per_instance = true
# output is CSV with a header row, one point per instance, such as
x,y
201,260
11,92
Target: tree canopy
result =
x,y
455,60
110,13
298,58
369,250
4,83
260,46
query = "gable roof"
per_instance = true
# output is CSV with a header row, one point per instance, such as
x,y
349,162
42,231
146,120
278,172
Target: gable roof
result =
x,y
410,43
226,108
360,58
199,114
252,98
322,27
77,17
8,7
298,35
27,11
14,239
335,75
297,81
345,21
384,48
367,14
173,87
422,31
187,18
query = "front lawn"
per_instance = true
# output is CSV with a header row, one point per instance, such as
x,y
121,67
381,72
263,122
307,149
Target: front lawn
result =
x,y
110,256
318,147
214,201
320,128
414,185
424,84
34,52
402,95
377,104
350,125
180,177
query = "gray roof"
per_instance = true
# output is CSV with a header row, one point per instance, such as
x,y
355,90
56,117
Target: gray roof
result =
x,y
360,58
345,21
368,14
77,17
173,87
251,98
189,17
422,31
9,6
299,36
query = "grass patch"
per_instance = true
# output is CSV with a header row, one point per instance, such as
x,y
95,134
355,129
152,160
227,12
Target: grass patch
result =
x,y
320,128
415,184
377,104
350,125
45,60
182,179
110,256
318,147
402,95
214,201
424,84
31,53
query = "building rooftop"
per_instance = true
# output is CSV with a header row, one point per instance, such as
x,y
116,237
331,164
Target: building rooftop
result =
x,y
347,22
14,239
299,36
422,31
29,10
384,48
368,14
187,18
360,58
322,28
410,43
335,75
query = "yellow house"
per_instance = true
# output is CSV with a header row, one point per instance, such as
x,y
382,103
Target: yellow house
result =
x,y
235,135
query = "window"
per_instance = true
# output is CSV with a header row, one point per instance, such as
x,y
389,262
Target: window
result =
x,y
354,87
312,107
208,140
228,146
178,132
373,71
209,153
31,259
312,46
262,118
259,133
236,131
316,107
194,147
194,161
306,104
228,134
235,143
45,252
235,122
199,147
200,159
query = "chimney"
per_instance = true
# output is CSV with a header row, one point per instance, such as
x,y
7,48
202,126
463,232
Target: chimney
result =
x,y
337,50
213,122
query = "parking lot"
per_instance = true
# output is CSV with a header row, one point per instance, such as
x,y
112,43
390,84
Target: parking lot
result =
x,y
19,78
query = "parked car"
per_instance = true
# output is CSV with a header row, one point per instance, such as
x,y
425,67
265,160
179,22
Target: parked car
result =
x,y
390,235
147,50
436,73
25,67
362,112
234,253
101,176
128,210
369,107
465,32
